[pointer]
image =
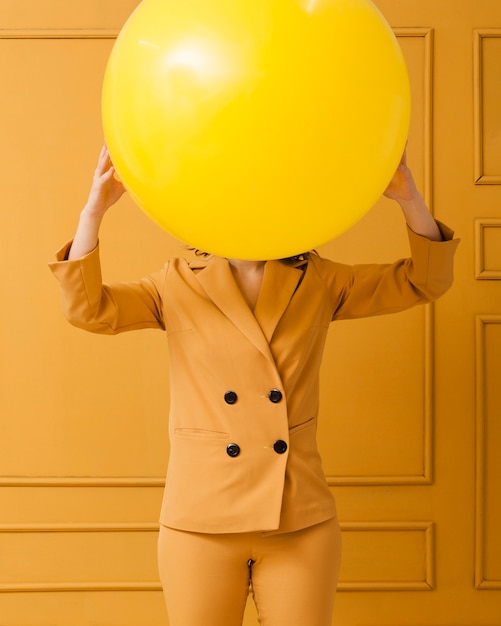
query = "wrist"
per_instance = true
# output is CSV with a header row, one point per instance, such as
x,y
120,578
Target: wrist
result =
x,y
91,215
412,200
419,219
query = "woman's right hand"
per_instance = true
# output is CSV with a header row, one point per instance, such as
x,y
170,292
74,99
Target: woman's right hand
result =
x,y
106,189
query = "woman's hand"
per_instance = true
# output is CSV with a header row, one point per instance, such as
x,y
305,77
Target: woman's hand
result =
x,y
403,190
105,189
402,186
104,192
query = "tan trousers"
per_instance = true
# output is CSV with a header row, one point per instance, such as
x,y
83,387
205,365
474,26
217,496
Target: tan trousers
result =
x,y
292,576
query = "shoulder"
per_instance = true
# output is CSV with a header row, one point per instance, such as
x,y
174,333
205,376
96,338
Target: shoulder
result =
x,y
183,264
327,268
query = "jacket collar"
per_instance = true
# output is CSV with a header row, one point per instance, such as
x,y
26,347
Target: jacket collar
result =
x,y
279,284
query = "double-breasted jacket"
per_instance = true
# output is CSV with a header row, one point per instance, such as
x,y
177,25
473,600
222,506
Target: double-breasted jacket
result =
x,y
245,384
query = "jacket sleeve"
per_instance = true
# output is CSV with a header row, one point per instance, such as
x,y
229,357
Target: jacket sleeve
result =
x,y
106,308
377,289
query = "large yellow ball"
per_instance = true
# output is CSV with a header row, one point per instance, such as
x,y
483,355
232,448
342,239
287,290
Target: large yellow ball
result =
x,y
256,129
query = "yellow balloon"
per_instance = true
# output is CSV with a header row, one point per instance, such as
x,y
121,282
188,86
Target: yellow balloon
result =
x,y
256,129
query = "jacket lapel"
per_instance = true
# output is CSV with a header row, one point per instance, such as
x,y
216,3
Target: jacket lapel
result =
x,y
218,282
279,283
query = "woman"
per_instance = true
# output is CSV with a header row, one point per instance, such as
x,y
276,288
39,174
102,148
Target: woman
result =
x,y
246,500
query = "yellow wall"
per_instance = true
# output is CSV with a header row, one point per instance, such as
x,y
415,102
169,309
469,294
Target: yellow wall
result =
x,y
410,429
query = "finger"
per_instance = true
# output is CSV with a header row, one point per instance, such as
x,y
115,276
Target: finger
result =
x,y
101,153
107,175
104,162
404,155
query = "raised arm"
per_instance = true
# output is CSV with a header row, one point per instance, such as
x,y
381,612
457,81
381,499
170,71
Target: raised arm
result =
x,y
403,190
104,192
88,303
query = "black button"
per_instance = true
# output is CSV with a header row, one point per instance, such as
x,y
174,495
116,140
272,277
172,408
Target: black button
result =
x,y
280,446
230,397
275,396
233,449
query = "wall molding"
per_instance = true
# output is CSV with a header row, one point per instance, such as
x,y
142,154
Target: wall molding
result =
x,y
428,36
82,481
481,224
38,587
84,586
427,584
478,102
481,582
62,33
426,477
83,527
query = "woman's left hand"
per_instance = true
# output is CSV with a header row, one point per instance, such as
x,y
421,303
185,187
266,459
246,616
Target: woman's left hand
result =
x,y
402,186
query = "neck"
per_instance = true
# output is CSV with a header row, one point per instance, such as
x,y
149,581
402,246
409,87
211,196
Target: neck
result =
x,y
243,265
249,276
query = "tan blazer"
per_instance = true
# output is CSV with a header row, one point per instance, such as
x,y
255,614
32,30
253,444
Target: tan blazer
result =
x,y
244,385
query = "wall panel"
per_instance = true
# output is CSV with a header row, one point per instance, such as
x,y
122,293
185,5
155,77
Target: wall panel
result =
x,y
488,249
488,484
79,557
387,556
378,429
487,61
